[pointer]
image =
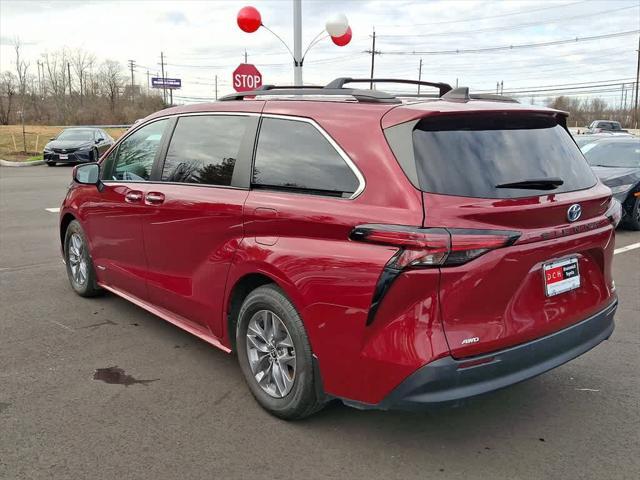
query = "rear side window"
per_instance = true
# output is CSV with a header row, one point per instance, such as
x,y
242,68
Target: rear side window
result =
x,y
204,149
293,155
134,157
471,155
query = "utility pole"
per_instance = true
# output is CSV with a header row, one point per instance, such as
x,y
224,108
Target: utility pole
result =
x,y
635,108
217,83
497,88
164,89
170,94
419,75
373,56
69,75
39,82
147,81
245,55
501,87
622,96
297,43
132,63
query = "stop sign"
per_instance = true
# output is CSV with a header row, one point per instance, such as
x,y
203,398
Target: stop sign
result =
x,y
246,77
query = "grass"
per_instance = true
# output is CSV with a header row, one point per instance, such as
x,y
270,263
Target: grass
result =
x,y
11,147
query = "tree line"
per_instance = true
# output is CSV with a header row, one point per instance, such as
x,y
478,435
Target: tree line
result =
x,y
71,87
583,111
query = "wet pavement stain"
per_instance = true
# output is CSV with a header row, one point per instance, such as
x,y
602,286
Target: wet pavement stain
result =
x,y
117,376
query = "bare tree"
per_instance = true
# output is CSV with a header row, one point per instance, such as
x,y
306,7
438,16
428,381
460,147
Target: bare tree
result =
x,y
82,62
22,68
8,85
55,66
111,81
583,111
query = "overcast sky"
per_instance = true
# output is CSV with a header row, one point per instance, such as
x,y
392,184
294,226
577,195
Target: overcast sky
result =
x,y
201,39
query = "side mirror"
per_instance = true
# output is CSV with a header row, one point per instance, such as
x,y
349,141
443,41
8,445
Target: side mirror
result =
x,y
87,174
100,140
52,139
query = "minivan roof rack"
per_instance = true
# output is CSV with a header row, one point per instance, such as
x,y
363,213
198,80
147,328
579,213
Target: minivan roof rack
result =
x,y
336,88
361,95
341,81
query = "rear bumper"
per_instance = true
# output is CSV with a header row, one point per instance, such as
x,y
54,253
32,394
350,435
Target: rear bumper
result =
x,y
447,381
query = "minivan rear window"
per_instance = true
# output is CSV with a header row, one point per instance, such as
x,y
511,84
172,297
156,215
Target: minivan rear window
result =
x,y
472,155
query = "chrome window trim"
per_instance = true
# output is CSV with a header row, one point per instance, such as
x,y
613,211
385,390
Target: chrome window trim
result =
x,y
167,117
334,144
352,166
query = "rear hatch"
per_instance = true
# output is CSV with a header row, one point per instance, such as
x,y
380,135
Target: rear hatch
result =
x,y
517,176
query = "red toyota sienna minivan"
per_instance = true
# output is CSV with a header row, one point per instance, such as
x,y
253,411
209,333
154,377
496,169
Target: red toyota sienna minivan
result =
x,y
390,252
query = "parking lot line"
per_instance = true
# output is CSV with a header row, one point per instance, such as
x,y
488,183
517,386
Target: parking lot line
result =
x,y
53,210
633,246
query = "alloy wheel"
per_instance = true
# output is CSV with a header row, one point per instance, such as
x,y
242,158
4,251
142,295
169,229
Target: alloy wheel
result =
x,y
77,259
271,353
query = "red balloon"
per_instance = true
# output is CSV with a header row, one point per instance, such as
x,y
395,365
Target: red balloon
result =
x,y
249,19
344,39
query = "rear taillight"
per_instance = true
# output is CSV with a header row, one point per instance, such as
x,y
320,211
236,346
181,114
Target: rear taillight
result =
x,y
431,247
614,212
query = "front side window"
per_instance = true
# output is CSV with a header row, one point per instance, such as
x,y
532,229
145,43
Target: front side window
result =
x,y
134,157
204,149
294,156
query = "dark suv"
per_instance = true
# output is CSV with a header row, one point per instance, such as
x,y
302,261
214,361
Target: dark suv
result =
x,y
347,243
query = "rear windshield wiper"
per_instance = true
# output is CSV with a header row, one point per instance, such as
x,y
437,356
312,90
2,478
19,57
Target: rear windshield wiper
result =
x,y
534,184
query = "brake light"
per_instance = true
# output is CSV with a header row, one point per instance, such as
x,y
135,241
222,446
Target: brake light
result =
x,y
428,247
614,212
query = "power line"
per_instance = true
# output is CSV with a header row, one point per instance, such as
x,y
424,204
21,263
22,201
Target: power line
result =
x,y
478,19
512,47
508,27
562,89
568,86
580,83
511,68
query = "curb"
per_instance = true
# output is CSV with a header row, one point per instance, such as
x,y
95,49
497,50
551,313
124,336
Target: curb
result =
x,y
7,163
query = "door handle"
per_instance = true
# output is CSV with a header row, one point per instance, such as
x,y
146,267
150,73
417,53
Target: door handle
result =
x,y
154,198
133,196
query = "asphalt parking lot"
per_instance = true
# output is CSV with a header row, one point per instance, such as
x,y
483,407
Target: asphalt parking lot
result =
x,y
197,419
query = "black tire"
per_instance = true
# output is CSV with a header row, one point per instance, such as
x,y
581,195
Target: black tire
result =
x,y
95,156
86,285
304,398
632,217
51,164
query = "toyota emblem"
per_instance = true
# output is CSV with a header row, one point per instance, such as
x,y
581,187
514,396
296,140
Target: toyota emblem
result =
x,y
574,212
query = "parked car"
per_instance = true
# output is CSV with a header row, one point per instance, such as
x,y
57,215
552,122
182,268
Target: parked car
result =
x,y
585,139
77,145
350,244
599,126
616,161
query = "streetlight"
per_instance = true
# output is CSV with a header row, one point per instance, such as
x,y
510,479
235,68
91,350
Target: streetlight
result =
x,y
337,27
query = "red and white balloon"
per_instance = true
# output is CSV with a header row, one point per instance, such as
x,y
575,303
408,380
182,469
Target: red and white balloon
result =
x,y
343,40
337,25
249,19
339,30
